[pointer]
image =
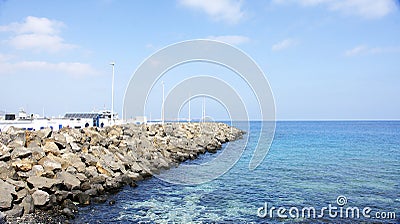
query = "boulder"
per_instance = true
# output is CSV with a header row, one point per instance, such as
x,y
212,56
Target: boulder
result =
x,y
20,152
60,140
16,211
4,152
37,170
89,159
5,170
22,165
74,160
50,164
17,184
69,180
44,133
40,197
82,198
28,204
42,182
37,153
51,147
6,195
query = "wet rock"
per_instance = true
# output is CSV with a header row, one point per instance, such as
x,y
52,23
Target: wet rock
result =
x,y
82,198
2,217
68,213
40,197
67,203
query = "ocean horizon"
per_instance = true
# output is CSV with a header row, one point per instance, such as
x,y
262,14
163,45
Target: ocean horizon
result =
x,y
342,164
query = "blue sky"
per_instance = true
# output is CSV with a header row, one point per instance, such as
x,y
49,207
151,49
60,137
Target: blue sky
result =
x,y
324,59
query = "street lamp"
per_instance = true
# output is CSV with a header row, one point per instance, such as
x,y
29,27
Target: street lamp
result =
x,y
112,94
162,106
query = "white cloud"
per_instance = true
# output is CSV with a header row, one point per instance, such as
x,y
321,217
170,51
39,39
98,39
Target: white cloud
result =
x,y
284,44
365,8
38,34
230,39
229,11
365,50
356,50
74,69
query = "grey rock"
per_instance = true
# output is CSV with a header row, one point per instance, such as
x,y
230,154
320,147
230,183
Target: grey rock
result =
x,y
18,184
44,133
82,198
3,217
40,197
5,170
68,180
21,194
6,199
42,182
67,212
75,147
37,170
91,171
7,191
99,179
51,147
28,204
4,152
51,165
22,165
89,159
37,153
20,152
16,211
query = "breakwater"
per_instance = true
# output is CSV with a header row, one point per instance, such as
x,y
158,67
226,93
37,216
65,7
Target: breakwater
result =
x,y
43,170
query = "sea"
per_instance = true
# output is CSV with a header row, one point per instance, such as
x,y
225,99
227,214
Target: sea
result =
x,y
314,172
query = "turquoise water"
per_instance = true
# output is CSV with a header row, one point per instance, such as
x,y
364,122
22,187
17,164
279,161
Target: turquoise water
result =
x,y
309,164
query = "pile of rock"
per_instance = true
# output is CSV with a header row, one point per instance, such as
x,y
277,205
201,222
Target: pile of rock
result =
x,y
42,169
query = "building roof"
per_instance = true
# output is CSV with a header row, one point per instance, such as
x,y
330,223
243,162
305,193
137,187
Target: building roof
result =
x,y
81,115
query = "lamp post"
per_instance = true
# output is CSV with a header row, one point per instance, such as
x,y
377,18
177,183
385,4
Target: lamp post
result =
x,y
162,106
112,94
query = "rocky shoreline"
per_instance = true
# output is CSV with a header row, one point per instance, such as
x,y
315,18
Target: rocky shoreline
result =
x,y
46,170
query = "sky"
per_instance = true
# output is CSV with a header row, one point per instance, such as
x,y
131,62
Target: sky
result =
x,y
323,59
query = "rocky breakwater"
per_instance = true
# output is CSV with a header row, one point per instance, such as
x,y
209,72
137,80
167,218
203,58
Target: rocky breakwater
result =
x,y
43,170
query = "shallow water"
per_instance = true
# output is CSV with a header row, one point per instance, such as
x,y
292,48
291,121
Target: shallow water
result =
x,y
309,164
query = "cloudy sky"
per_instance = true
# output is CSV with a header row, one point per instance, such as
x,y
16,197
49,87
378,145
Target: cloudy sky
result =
x,y
324,59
